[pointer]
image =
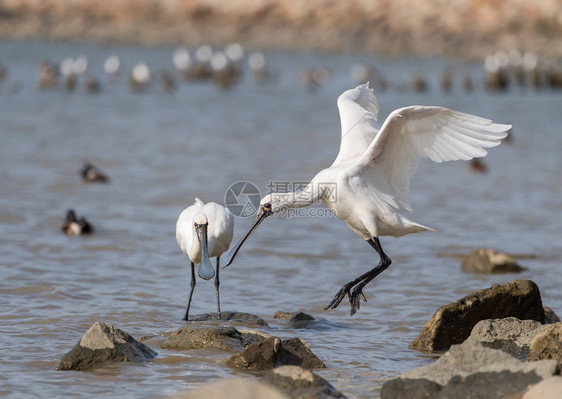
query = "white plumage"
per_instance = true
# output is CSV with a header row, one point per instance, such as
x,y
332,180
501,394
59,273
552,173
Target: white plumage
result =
x,y
204,231
374,166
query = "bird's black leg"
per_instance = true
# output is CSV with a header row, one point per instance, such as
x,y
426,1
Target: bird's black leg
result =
x,y
190,292
361,281
384,262
217,283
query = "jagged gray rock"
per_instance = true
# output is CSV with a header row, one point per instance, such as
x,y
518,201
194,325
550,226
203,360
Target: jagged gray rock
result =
x,y
547,344
299,383
223,337
488,261
104,343
472,370
238,318
510,335
453,323
274,352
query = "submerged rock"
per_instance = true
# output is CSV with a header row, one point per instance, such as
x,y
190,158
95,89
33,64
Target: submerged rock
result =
x,y
547,344
510,335
453,323
470,370
240,318
104,343
549,388
223,337
488,261
296,319
297,382
274,352
549,316
236,388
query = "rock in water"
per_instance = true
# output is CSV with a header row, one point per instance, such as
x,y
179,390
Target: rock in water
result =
x,y
295,320
488,261
510,335
469,370
297,382
223,337
234,388
549,388
452,323
240,318
274,352
549,316
104,343
547,344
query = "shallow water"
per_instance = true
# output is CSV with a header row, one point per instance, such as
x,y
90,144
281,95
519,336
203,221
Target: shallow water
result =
x,y
162,150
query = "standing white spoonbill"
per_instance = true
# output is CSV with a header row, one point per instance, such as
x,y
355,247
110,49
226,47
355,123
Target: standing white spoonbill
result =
x,y
372,171
204,231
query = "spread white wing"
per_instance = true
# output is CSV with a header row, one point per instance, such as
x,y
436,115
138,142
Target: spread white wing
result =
x,y
358,114
440,134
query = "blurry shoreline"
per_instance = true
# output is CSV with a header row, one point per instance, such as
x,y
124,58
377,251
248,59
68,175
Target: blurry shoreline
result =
x,y
461,28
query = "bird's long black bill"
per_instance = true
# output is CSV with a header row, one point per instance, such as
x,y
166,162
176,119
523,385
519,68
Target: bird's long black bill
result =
x,y
234,250
205,271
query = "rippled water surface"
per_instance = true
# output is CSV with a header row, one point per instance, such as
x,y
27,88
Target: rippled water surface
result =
x,y
161,150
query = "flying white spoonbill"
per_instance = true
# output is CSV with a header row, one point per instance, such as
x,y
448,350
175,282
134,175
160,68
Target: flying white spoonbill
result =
x,y
373,169
204,231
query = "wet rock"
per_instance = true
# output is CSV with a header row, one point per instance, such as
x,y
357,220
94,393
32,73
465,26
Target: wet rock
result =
x,y
470,370
547,344
295,320
549,316
223,337
472,357
549,388
297,382
452,323
274,352
419,388
510,335
488,261
238,388
104,343
240,318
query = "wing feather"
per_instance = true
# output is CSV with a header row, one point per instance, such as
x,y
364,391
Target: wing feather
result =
x,y
358,109
440,134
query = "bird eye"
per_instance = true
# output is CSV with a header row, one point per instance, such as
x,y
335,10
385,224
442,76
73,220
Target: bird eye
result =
x,y
195,225
267,206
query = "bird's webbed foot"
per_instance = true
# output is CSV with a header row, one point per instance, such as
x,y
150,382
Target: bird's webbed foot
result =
x,y
345,290
355,299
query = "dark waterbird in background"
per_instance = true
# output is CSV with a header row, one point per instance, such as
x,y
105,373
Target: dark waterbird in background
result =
x,y
74,226
371,174
92,174
204,231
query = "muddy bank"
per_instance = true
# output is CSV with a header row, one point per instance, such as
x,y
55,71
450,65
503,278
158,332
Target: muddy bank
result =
x,y
465,28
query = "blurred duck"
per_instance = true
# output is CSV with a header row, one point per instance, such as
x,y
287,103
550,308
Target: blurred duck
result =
x,y
447,79
3,73
224,73
235,53
183,63
139,77
46,76
74,226
496,73
112,66
258,67
91,84
419,84
361,74
68,73
313,78
92,174
478,166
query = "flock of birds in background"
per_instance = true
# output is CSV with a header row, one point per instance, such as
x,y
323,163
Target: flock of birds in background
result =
x,y
200,235
224,67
